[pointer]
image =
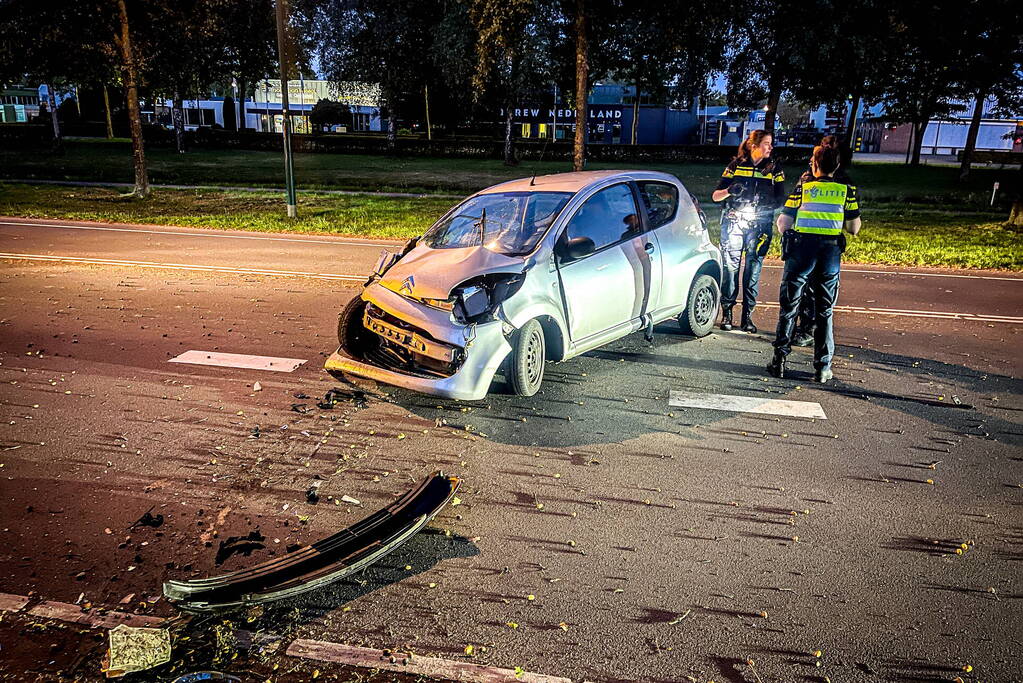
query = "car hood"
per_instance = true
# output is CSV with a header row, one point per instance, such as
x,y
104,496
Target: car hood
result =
x,y
433,273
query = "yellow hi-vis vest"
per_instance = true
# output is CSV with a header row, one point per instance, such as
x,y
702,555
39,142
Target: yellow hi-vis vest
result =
x,y
822,209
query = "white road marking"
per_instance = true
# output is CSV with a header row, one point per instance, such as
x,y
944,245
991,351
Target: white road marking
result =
x,y
746,404
908,273
183,266
338,242
238,360
908,313
419,665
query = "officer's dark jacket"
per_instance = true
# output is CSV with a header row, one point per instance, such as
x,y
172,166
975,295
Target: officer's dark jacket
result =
x,y
763,183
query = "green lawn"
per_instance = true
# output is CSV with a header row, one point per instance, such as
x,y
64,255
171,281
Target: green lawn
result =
x,y
912,216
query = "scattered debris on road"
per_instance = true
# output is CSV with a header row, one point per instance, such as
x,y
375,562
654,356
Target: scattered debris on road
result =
x,y
136,649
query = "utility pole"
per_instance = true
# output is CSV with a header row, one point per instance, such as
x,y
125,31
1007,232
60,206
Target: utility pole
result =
x,y
284,57
426,102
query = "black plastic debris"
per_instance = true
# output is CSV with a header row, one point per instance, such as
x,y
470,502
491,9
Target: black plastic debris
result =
x,y
243,545
300,408
148,519
323,562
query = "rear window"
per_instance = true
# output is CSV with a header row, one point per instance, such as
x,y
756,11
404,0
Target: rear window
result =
x,y
660,201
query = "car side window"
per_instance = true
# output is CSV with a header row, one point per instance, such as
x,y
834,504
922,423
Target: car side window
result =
x,y
607,217
660,200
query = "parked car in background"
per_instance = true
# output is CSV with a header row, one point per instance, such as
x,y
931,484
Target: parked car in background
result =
x,y
530,271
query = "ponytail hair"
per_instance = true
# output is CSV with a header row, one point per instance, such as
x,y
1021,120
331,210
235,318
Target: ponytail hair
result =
x,y
754,139
827,158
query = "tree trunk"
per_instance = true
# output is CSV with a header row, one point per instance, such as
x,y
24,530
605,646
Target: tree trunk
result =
x,y
178,117
582,72
918,141
106,109
426,104
635,114
850,130
772,110
392,126
58,138
971,136
134,116
1016,215
509,149
241,102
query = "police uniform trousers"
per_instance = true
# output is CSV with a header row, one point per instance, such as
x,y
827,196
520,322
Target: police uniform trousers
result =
x,y
752,239
815,261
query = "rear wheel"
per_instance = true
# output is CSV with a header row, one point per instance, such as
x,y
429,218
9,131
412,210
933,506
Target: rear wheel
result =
x,y
352,335
526,360
701,308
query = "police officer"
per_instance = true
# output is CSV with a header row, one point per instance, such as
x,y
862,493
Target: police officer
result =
x,y
805,320
811,224
752,187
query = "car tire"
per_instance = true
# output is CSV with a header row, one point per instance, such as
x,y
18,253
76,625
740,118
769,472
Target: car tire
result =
x,y
352,336
701,308
526,360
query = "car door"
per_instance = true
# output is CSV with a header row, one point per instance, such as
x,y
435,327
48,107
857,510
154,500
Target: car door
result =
x,y
676,225
608,289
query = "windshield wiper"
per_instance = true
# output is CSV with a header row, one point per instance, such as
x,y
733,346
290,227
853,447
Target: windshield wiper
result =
x,y
483,226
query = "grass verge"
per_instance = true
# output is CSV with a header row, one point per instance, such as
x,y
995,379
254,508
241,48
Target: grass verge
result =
x,y
894,233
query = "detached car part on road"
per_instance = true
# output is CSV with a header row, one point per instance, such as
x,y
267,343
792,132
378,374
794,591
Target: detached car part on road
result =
x,y
322,562
528,271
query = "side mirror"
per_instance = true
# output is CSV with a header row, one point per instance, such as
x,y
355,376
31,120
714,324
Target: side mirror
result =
x,y
576,248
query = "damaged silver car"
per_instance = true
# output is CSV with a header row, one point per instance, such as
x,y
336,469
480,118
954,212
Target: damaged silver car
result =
x,y
529,271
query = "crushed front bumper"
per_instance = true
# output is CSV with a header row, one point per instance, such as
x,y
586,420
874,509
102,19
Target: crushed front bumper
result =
x,y
482,347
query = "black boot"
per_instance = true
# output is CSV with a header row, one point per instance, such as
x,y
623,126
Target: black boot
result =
x,y
776,368
747,321
726,319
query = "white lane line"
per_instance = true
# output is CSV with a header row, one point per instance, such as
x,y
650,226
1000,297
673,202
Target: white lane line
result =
x,y
746,404
183,266
418,665
908,273
337,242
238,360
940,315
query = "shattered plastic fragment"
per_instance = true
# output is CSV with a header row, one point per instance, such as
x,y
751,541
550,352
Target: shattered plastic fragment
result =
x,y
136,649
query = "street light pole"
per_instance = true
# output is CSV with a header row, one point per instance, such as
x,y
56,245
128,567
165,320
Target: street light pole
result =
x,y
284,59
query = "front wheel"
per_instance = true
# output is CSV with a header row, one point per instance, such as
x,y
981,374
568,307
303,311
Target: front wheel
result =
x,y
352,335
526,360
701,308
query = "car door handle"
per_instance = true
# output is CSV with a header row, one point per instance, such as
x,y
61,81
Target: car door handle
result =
x,y
649,247
602,267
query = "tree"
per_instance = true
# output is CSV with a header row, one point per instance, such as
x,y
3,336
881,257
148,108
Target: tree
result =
x,y
927,67
329,113
377,41
992,69
138,154
792,113
249,38
512,49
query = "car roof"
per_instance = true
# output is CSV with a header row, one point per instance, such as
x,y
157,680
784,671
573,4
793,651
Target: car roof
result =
x,y
572,182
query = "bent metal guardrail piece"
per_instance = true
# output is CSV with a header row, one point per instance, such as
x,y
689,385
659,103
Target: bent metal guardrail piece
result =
x,y
323,562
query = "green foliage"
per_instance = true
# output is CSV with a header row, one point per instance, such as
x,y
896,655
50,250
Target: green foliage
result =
x,y
329,113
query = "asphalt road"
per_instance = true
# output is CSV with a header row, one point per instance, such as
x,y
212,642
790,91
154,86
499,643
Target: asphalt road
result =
x,y
601,534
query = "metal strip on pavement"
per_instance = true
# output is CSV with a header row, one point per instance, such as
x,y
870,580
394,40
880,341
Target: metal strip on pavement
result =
x,y
746,404
182,266
433,667
238,360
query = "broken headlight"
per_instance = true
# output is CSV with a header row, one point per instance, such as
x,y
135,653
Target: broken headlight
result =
x,y
479,297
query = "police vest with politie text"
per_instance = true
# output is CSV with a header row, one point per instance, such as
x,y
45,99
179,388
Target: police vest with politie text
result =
x,y
820,207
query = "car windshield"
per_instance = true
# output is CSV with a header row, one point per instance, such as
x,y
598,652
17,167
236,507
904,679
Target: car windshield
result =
x,y
505,222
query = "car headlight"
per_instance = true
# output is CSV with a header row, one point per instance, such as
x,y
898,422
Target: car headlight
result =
x,y
443,304
479,297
